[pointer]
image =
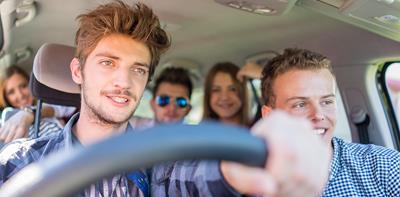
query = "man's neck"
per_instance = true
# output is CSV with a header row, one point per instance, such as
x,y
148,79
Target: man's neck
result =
x,y
89,131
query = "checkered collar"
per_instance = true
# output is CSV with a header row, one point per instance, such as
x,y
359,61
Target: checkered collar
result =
x,y
335,163
70,140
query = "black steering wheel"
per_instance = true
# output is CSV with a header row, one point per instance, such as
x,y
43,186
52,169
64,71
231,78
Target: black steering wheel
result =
x,y
66,173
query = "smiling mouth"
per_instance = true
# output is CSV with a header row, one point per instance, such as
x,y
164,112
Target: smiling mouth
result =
x,y
320,131
118,99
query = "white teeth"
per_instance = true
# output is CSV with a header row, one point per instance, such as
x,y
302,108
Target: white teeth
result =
x,y
319,131
119,99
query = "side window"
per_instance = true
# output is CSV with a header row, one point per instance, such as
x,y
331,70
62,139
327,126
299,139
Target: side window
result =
x,y
392,76
388,78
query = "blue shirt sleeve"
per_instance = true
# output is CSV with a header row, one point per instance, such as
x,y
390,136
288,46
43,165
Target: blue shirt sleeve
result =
x,y
190,178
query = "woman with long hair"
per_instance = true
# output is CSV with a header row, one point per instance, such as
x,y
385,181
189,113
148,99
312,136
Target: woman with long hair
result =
x,y
225,97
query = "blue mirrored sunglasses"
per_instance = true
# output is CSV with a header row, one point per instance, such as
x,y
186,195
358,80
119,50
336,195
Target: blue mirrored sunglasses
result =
x,y
166,100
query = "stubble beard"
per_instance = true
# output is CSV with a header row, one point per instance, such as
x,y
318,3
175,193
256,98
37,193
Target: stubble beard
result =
x,y
100,116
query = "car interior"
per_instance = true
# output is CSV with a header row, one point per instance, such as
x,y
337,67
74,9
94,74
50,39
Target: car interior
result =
x,y
360,37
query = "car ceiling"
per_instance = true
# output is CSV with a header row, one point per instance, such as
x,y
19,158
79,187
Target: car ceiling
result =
x,y
204,32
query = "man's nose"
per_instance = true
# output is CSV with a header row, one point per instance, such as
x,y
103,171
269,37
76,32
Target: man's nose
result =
x,y
122,78
316,113
172,105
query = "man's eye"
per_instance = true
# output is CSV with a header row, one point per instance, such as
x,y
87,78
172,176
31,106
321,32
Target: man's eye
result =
x,y
140,71
106,62
299,105
328,102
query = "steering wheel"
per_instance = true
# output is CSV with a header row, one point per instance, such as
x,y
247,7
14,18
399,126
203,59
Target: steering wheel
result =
x,y
68,172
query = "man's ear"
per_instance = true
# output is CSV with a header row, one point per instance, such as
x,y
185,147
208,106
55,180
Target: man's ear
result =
x,y
188,110
76,71
265,110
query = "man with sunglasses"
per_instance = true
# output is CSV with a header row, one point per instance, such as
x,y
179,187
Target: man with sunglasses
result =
x,y
171,95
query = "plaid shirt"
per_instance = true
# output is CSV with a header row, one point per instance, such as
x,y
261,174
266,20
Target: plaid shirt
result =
x,y
186,178
363,170
46,128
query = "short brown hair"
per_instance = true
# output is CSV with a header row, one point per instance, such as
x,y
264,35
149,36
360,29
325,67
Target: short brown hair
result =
x,y
232,70
137,21
291,59
176,76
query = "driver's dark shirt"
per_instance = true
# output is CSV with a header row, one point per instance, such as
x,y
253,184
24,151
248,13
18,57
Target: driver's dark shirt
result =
x,y
186,178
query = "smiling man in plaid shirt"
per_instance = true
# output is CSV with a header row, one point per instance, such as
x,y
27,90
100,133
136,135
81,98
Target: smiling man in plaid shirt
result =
x,y
302,83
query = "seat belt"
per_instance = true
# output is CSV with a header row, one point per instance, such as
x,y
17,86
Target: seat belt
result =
x,y
37,115
361,120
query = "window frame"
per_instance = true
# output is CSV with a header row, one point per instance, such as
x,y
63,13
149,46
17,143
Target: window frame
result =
x,y
386,102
